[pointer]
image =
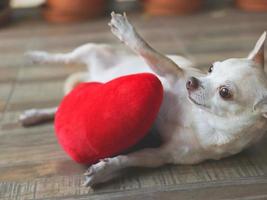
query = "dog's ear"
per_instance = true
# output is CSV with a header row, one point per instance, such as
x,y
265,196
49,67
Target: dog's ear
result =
x,y
257,54
261,106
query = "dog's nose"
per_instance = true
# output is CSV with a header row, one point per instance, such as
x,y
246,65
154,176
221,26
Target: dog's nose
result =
x,y
192,83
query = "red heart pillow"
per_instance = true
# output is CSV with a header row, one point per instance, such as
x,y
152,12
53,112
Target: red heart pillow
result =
x,y
100,120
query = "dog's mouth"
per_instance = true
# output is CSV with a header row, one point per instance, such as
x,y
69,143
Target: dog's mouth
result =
x,y
194,101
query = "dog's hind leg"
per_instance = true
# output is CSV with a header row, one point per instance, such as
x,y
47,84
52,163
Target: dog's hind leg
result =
x,y
37,116
74,79
101,55
46,57
97,57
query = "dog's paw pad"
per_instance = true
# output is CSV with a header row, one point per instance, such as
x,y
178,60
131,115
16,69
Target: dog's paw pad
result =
x,y
120,26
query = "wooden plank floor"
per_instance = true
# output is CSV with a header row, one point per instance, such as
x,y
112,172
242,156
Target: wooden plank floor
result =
x,y
33,166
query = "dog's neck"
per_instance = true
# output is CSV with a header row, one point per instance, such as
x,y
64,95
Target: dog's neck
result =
x,y
218,131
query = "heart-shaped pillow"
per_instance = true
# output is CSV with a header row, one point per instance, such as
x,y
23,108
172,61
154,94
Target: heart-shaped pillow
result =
x,y
97,120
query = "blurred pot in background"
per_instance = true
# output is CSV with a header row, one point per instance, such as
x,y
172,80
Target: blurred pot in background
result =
x,y
73,10
252,5
171,7
123,5
5,12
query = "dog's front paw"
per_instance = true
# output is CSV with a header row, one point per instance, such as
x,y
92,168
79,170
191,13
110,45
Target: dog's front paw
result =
x,y
121,27
36,56
101,172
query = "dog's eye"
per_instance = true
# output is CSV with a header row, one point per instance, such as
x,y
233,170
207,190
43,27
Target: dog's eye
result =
x,y
210,69
225,93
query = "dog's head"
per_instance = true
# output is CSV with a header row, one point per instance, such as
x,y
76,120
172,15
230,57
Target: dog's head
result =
x,y
234,86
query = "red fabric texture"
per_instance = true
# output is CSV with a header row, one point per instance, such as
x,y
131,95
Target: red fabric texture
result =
x,y
97,120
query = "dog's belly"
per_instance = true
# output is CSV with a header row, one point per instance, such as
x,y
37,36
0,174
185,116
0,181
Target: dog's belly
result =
x,y
127,65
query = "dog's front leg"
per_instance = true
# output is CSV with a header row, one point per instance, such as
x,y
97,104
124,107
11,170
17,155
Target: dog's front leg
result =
x,y
110,168
160,64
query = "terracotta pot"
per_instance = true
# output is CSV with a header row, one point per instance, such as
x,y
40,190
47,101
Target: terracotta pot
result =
x,y
4,3
73,10
252,5
171,7
5,12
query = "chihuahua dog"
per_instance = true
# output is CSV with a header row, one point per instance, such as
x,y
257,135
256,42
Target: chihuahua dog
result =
x,y
203,115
